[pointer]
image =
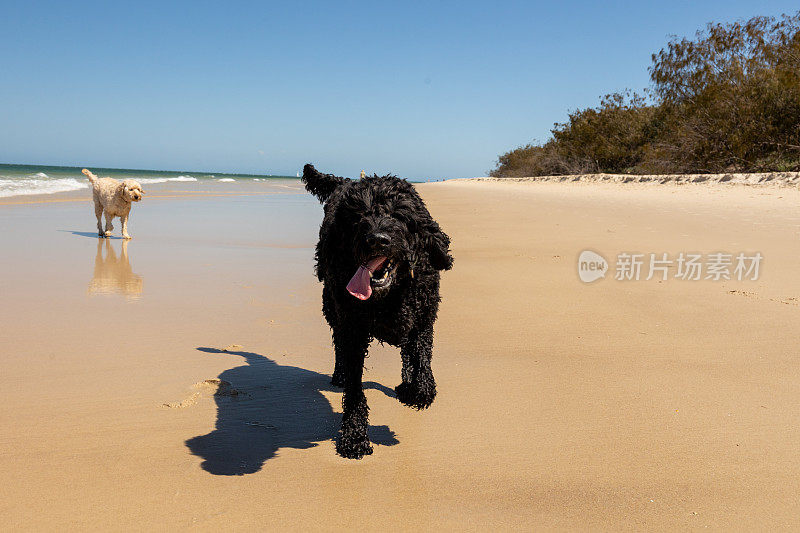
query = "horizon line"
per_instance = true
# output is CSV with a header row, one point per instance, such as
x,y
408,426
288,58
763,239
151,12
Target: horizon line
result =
x,y
151,170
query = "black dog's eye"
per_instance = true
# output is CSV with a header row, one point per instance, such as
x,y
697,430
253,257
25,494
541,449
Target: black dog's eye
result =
x,y
404,218
363,225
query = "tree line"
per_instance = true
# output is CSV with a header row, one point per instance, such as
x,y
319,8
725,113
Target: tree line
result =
x,y
727,100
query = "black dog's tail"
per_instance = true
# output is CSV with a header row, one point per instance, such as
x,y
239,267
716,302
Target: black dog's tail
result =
x,y
319,184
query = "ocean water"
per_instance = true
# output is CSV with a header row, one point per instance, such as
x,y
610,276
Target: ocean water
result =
x,y
17,180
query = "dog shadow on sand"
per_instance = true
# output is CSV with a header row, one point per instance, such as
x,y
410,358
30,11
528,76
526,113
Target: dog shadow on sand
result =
x,y
92,235
263,406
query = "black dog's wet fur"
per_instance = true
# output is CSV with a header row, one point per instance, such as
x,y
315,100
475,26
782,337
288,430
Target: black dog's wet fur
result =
x,y
363,219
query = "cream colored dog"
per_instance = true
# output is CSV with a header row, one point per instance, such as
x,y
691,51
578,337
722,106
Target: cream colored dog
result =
x,y
115,198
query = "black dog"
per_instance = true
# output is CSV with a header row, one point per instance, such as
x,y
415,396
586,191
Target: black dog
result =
x,y
379,256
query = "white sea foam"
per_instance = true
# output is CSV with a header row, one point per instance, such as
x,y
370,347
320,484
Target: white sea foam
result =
x,y
37,185
41,183
226,179
164,180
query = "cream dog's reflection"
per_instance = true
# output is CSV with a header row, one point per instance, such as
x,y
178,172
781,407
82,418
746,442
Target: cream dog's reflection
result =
x,y
112,274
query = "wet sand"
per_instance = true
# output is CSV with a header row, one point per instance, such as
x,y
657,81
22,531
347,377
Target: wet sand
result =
x,y
562,405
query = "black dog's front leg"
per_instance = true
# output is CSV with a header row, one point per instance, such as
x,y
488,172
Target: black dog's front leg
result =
x,y
337,379
331,315
351,348
418,388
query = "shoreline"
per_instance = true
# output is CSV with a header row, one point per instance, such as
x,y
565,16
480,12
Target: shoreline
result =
x,y
175,190
31,199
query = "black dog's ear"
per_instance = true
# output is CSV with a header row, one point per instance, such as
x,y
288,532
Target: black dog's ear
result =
x,y
437,244
319,184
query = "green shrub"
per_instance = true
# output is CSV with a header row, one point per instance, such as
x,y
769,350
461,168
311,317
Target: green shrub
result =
x,y
727,100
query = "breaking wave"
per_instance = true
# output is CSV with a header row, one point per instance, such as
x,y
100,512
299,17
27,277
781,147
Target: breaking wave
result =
x,y
39,184
164,180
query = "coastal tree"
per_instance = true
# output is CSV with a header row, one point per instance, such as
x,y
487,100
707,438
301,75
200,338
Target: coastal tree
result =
x,y
726,100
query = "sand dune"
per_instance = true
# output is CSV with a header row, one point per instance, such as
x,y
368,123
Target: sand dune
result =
x,y
757,179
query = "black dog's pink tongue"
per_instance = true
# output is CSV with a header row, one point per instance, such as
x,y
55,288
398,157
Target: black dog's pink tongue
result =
x,y
359,285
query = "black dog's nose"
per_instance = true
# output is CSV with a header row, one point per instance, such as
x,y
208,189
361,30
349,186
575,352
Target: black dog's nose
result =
x,y
378,239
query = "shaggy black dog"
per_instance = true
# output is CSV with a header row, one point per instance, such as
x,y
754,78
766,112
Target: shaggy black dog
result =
x,y
379,256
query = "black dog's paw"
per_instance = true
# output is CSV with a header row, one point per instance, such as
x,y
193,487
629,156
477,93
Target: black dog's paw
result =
x,y
416,395
350,449
403,392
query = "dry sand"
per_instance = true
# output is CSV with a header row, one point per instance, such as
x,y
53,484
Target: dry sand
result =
x,y
562,405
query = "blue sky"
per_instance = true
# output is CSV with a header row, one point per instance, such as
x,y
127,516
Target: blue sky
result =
x,y
420,89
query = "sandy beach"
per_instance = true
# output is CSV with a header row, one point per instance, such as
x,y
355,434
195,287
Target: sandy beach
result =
x,y
615,405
